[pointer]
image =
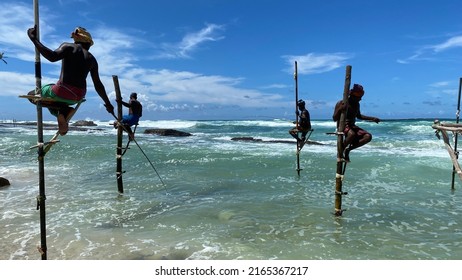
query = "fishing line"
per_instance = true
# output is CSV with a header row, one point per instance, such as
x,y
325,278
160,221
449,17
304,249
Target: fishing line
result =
x,y
152,165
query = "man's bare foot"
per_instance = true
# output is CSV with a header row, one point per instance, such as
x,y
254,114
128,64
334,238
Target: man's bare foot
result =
x,y
63,127
32,92
347,155
341,159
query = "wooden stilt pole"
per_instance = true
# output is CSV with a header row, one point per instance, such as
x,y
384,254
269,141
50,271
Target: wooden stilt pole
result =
x,y
341,165
296,116
41,155
456,134
120,184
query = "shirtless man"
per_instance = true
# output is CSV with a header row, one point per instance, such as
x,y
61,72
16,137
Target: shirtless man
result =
x,y
71,87
355,136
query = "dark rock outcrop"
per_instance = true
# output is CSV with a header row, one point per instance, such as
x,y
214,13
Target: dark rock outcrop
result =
x,y
167,132
76,126
251,139
4,182
84,123
246,139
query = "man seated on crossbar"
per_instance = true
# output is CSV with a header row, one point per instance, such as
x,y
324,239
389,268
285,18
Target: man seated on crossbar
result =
x,y
304,123
71,87
135,112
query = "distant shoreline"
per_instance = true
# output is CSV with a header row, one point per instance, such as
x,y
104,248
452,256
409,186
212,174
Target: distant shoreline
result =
x,y
50,122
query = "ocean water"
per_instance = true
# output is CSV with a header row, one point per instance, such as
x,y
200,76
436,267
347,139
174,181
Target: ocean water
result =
x,y
225,199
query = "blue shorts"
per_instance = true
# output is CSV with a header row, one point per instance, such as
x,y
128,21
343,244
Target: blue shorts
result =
x,y
130,119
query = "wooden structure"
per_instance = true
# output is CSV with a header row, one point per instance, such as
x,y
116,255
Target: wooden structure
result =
x,y
299,144
296,116
443,129
121,150
341,164
119,172
41,154
42,147
456,129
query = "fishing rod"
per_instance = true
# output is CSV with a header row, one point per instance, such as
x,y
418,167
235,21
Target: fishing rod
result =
x,y
152,165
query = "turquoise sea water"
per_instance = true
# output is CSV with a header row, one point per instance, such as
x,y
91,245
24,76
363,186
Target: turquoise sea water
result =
x,y
227,199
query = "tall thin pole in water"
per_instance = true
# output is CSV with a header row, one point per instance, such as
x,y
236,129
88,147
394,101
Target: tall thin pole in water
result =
x,y
456,134
341,165
41,155
120,183
296,116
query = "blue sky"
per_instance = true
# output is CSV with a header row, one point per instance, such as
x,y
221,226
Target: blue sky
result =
x,y
234,59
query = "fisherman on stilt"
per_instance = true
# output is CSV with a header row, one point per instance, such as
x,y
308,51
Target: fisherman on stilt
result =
x,y
71,87
355,136
135,112
304,124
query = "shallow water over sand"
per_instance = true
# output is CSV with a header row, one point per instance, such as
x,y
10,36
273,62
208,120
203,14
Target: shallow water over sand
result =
x,y
227,199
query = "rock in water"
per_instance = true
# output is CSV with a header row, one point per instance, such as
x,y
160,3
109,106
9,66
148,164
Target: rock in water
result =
x,y
4,182
84,123
166,132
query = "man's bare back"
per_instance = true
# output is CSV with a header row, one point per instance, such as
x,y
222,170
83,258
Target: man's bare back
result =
x,y
77,62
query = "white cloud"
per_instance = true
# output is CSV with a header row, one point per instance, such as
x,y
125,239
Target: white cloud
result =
x,y
159,89
15,19
440,84
442,87
191,42
14,84
13,36
275,86
453,42
175,87
314,63
112,49
428,52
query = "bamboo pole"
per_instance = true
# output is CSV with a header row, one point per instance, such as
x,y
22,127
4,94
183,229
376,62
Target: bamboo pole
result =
x,y
452,154
448,126
120,184
341,165
296,116
456,135
41,155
